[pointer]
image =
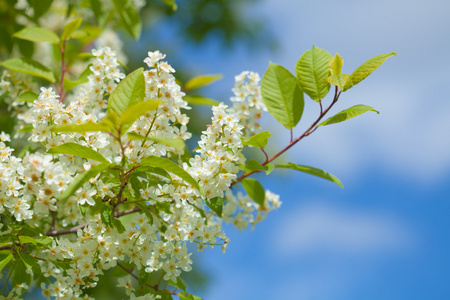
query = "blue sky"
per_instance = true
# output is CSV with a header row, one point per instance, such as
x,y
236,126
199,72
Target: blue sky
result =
x,y
385,236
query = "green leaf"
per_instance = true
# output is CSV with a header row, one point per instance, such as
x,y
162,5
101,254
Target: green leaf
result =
x,y
20,271
70,28
145,210
29,66
253,165
336,64
130,17
366,69
27,259
164,163
135,136
282,95
130,90
349,113
136,185
43,240
187,296
82,179
178,284
216,205
85,127
78,150
37,34
27,128
27,97
201,80
200,100
134,111
5,261
338,80
258,140
312,171
255,190
172,4
106,213
312,71
70,84
176,143
155,170
118,225
164,206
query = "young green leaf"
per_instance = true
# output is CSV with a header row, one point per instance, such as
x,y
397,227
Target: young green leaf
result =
x,y
216,205
200,100
255,190
118,225
282,95
258,140
349,113
82,179
106,213
70,84
170,166
78,150
5,261
43,240
187,296
253,165
135,110
130,18
338,80
176,143
201,80
27,97
178,284
21,274
27,259
312,171
85,127
135,136
312,71
30,67
130,90
37,34
172,4
70,28
145,210
336,64
366,69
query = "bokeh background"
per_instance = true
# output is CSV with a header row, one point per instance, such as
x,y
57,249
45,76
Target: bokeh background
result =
x,y
386,235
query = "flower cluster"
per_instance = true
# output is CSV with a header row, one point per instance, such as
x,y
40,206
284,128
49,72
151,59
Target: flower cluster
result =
x,y
165,123
220,152
88,227
247,102
241,211
12,202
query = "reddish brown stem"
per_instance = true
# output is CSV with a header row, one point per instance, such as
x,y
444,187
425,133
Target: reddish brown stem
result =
x,y
310,130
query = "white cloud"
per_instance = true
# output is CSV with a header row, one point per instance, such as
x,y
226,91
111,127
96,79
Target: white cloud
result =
x,y
321,228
